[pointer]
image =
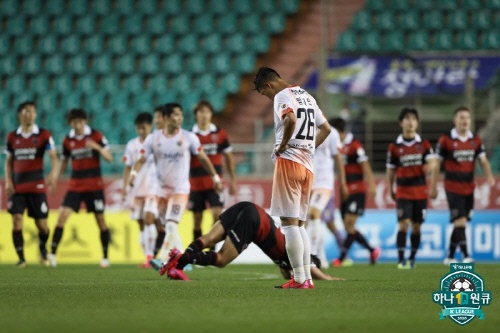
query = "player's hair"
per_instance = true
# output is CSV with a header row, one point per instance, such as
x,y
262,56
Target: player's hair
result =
x,y
201,104
143,118
76,114
406,111
315,261
24,104
158,109
167,109
338,123
264,75
461,108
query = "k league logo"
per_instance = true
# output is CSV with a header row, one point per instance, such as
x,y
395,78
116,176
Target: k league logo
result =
x,y
462,294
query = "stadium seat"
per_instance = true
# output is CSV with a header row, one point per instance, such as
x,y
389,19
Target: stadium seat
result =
x,y
142,101
400,5
418,40
265,7
218,100
179,24
409,20
110,84
31,64
86,83
63,25
188,44
150,64
101,64
362,21
447,4
133,83
167,96
125,64
172,7
375,5
15,84
347,42
132,25
394,41
147,7
443,40
47,44
203,23
71,100
492,4
117,44
71,45
433,20
9,7
424,5
172,64
78,8
241,7
218,6
275,24
39,25
141,45
260,43
101,7
226,24
220,63
471,4
23,45
85,25
119,100
235,43
206,82
63,84
197,63
109,24
39,83
16,25
230,83
370,41
124,7
158,83
386,20
56,7
47,101
467,40
155,24
290,6
490,40
481,19
95,101
212,43
5,47
164,44
32,7
194,7
94,45
78,64
245,63
457,20
251,24
8,65
183,83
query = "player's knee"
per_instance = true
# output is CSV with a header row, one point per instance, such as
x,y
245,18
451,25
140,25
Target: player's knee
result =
x,y
460,222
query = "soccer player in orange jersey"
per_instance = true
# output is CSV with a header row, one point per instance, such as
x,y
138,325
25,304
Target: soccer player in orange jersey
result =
x,y
299,128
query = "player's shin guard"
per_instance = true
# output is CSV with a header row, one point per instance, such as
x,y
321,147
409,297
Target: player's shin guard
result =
x,y
172,240
462,241
17,237
105,237
201,258
362,241
314,231
453,243
295,251
159,242
196,246
401,244
42,243
307,253
56,239
415,243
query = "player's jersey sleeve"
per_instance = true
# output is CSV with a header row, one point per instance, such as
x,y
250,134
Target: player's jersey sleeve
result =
x,y
102,141
334,142
428,151
147,147
224,146
49,143
283,104
194,143
9,150
391,162
128,158
360,152
319,117
480,150
66,150
441,149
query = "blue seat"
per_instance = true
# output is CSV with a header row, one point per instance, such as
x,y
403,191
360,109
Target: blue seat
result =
x,y
119,100
39,25
47,44
197,63
16,25
110,84
9,7
8,65
95,101
183,83
275,24
63,84
71,100
86,24
78,64
231,83
47,101
220,63
101,7
125,7
94,44
147,6
227,24
194,7
265,7
31,64
118,44
212,43
236,43
206,82
79,7
158,83
55,7
155,24
172,63
251,24
63,25
71,45
86,83
101,64
172,7
141,45
241,7
245,63
54,64
180,24
32,7
143,101
16,84
218,6
23,45
125,64
110,24
5,47
164,44
39,83
218,100
188,44
134,83
260,43
132,24
203,23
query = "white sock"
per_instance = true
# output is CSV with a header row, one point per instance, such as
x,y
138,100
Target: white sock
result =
x,y
143,239
172,240
151,241
307,253
321,250
314,231
295,251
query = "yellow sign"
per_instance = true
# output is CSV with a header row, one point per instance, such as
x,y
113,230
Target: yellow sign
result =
x,y
81,239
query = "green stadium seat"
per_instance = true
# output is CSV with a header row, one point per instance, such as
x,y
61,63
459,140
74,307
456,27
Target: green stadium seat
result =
x,y
197,63
394,41
155,24
490,40
31,64
101,64
260,43
9,7
235,43
241,6
172,64
418,40
180,24
227,24
424,4
172,7
245,63
206,82
101,7
183,83
85,25
119,100
167,96
56,7
481,19
63,84
164,44
95,101
71,100
220,63
188,44
39,83
400,5
471,4
158,83
375,5
467,40
23,45
386,20
409,20
63,25
110,24
39,25
212,43
218,6
251,24
78,64
188,101
8,119
94,45
194,7
433,20
150,64
203,23
110,84
447,4
47,44
4,45
143,101
231,82
218,100
78,8
103,120
347,42
47,101
16,84
125,64
8,65
118,44
71,45
370,41
147,7
16,25
132,25
492,4
134,83
265,7
32,7
290,6
141,45
124,7
362,21
86,83
443,40
457,20
275,24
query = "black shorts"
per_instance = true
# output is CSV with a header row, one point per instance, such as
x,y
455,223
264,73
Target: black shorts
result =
x,y
35,203
198,200
354,204
415,210
94,201
241,223
460,206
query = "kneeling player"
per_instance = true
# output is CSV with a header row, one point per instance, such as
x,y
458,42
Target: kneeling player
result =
x,y
238,226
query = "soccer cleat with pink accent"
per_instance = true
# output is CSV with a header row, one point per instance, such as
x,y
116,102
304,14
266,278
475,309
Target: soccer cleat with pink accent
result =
x,y
173,257
310,284
374,255
177,274
292,284
146,263
337,263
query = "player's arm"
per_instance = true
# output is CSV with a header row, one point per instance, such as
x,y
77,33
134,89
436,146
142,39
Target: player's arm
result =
x,y
287,274
135,169
317,274
389,176
322,133
102,149
485,164
368,176
9,185
126,175
61,167
339,165
229,161
289,122
53,175
435,177
207,165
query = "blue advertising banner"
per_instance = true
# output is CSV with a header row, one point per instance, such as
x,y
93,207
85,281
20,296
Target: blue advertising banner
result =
x,y
396,77
380,229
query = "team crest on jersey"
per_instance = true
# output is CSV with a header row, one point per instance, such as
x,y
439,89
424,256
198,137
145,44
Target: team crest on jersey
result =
x,y
283,106
179,143
17,142
72,143
35,141
473,144
215,137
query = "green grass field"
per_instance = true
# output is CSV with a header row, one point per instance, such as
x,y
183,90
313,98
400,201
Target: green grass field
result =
x,y
239,298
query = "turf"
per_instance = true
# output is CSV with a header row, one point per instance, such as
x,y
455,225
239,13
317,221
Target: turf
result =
x,y
239,298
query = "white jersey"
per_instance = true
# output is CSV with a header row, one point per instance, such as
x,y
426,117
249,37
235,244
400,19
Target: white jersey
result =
x,y
309,117
324,161
145,176
172,156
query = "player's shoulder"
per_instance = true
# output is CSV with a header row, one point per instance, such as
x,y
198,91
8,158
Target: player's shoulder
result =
x,y
12,134
188,134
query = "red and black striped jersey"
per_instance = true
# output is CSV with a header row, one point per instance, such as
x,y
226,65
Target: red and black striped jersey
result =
x,y
27,151
214,142
459,156
408,159
354,154
85,162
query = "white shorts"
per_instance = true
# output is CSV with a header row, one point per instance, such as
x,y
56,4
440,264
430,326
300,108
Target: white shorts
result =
x,y
320,198
137,208
292,184
171,206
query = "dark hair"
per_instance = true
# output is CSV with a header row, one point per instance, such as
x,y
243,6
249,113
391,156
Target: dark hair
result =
x,y
143,118
24,104
168,108
201,104
158,109
406,111
76,114
264,75
338,123
461,108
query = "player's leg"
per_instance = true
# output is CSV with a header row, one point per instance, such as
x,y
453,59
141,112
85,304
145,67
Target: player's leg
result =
x,y
304,203
175,209
216,202
318,202
328,215
404,210
151,218
197,205
94,201
461,211
17,205
71,203
419,214
38,209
